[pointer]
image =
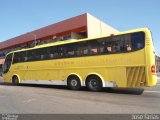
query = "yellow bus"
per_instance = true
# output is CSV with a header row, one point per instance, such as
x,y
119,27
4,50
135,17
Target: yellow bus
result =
x,y
123,60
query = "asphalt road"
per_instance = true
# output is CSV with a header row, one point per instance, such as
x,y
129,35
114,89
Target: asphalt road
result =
x,y
45,99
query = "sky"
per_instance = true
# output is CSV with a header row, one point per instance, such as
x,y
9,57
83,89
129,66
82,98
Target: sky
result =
x,y
21,16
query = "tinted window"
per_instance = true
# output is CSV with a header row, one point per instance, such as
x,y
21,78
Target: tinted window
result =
x,y
125,43
61,49
53,52
79,48
97,46
41,54
70,50
116,44
107,45
31,55
7,63
85,48
138,40
20,57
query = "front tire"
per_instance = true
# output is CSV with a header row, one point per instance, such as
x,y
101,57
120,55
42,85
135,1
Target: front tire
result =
x,y
15,80
94,83
74,83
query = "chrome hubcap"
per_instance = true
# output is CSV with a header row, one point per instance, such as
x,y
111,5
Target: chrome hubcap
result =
x,y
93,83
74,83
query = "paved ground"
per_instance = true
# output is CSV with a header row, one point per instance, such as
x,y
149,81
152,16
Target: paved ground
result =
x,y
58,99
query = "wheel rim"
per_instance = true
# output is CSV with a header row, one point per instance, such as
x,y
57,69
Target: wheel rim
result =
x,y
93,83
74,82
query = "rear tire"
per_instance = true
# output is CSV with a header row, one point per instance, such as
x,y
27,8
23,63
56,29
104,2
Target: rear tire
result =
x,y
74,83
15,80
94,83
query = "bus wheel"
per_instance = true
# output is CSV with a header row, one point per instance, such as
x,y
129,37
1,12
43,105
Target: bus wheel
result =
x,y
94,83
73,83
15,80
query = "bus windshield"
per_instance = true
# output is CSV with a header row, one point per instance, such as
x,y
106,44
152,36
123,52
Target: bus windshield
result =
x,y
7,63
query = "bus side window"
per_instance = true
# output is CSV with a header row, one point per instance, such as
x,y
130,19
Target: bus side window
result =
x,y
123,48
23,56
70,53
31,55
138,40
52,52
94,51
55,54
97,46
61,51
109,49
117,46
126,47
85,51
25,59
19,57
16,58
37,54
78,49
108,45
85,48
129,47
102,49
101,46
51,56
139,45
70,50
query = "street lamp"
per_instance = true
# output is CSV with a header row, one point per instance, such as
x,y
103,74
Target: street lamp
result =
x,y
35,38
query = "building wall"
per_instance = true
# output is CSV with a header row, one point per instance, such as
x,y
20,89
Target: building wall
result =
x,y
158,63
96,27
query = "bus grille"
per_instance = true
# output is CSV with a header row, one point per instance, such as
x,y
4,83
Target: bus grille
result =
x,y
136,76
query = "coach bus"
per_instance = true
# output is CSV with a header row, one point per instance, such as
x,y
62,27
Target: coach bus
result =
x,y
124,60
